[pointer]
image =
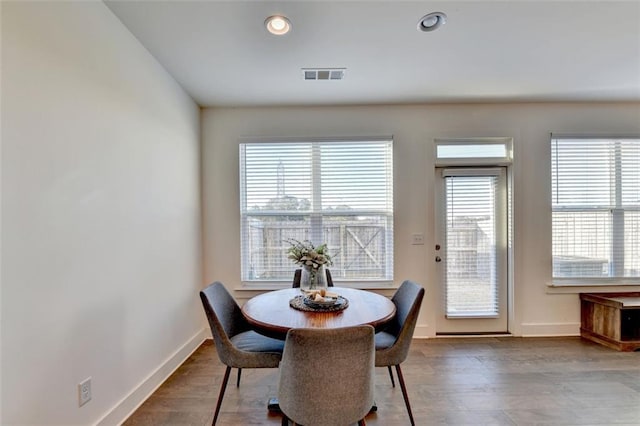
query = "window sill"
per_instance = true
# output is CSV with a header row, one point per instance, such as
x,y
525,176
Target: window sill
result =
x,y
279,285
594,287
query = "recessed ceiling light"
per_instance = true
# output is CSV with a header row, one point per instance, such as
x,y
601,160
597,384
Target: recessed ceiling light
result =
x,y
432,21
277,24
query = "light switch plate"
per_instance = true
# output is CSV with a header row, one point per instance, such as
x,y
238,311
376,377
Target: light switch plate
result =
x,y
417,239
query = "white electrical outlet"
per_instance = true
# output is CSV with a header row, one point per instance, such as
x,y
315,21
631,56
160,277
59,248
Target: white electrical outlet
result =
x,y
84,391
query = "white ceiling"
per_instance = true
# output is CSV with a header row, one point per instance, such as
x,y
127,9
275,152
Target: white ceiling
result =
x,y
220,52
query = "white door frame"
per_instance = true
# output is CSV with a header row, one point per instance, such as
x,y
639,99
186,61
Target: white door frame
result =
x,y
478,151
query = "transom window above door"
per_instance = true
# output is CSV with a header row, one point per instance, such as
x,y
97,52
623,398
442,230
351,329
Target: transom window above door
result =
x,y
338,192
473,151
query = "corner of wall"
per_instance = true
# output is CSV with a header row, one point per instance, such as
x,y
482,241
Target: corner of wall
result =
x,y
122,410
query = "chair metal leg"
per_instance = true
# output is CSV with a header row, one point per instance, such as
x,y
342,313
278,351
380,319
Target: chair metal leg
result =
x,y
393,382
239,373
223,387
404,393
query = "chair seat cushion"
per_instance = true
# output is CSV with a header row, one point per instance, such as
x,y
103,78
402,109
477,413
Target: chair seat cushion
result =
x,y
251,341
384,340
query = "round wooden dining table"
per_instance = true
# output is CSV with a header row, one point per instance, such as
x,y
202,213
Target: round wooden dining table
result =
x,y
271,315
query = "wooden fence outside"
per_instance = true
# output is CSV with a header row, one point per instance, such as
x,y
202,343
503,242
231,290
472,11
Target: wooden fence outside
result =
x,y
358,247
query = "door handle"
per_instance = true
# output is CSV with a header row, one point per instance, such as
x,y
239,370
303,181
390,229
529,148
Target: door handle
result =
x,y
438,259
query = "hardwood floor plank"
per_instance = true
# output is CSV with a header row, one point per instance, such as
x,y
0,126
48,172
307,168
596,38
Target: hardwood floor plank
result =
x,y
451,381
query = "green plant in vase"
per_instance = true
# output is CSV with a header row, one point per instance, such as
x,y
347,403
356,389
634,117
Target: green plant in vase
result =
x,y
312,259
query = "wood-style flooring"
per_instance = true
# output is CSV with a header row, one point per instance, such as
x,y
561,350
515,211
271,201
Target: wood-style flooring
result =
x,y
451,381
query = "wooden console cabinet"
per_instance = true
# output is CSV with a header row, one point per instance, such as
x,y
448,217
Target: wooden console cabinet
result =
x,y
611,319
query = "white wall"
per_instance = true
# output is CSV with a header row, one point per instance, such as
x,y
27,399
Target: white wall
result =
x,y
101,261
537,310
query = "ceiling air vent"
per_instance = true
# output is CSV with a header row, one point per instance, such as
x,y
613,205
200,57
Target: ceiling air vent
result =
x,y
323,73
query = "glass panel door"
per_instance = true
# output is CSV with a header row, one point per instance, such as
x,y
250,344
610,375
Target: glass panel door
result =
x,y
471,251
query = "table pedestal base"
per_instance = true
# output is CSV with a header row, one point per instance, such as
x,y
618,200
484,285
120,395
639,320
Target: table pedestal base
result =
x,y
274,406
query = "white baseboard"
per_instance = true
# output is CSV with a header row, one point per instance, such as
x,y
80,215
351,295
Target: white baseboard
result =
x,y
422,332
118,414
526,330
550,329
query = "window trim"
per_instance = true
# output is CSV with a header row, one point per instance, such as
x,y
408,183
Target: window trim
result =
x,y
290,139
577,284
471,160
267,284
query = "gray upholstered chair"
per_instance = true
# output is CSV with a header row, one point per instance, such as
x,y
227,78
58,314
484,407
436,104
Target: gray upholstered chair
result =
x,y
297,275
392,344
236,344
326,376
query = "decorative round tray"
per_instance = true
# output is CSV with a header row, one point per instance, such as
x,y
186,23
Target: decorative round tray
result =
x,y
324,302
302,303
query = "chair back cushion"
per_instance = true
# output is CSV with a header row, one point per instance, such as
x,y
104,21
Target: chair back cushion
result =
x,y
326,375
408,300
236,344
225,311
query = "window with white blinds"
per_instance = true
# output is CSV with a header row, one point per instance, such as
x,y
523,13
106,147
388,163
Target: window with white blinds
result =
x,y
475,235
595,185
338,192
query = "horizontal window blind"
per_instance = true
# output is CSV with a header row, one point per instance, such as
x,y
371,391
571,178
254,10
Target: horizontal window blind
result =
x,y
471,273
334,192
595,186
